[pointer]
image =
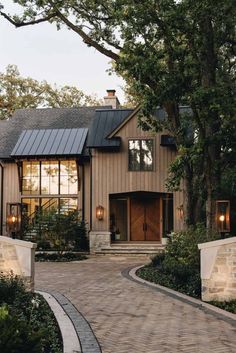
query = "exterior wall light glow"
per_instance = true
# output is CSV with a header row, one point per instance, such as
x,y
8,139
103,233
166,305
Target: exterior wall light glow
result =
x,y
100,212
13,218
223,215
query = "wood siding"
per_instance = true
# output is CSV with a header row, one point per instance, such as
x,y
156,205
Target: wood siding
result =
x,y
10,188
111,174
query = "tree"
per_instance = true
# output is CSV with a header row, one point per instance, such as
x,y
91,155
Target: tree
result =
x,y
18,92
171,53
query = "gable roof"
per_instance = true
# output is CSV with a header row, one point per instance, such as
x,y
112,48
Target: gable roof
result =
x,y
159,113
54,118
104,122
50,142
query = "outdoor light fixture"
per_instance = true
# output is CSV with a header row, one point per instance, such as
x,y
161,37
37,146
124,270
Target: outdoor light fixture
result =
x,y
100,212
223,215
13,218
181,212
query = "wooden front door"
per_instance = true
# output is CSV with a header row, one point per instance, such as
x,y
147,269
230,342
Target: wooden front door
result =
x,y
145,219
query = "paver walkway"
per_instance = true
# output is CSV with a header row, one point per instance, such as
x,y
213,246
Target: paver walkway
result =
x,y
129,318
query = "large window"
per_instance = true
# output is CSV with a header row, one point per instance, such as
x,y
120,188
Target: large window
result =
x,y
49,186
49,178
141,155
32,207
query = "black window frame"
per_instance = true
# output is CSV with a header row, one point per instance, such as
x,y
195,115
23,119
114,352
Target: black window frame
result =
x,y
141,164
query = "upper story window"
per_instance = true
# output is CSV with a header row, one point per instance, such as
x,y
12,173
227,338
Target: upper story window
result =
x,y
49,178
141,155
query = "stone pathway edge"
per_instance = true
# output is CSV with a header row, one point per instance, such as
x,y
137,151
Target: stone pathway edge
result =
x,y
130,273
72,323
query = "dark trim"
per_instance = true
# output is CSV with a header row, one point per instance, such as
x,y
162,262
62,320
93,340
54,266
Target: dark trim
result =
x,y
83,194
91,189
184,298
1,200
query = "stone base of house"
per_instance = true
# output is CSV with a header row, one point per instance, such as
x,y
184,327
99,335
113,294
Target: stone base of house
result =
x,y
218,270
99,240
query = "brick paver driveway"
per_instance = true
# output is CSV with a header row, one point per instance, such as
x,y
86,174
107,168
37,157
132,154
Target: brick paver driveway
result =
x,y
129,318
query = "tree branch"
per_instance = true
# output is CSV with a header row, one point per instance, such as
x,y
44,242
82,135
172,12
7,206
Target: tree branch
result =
x,y
87,40
33,22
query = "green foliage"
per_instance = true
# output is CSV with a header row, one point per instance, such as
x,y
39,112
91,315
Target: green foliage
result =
x,y
17,337
17,92
179,267
26,322
61,257
228,306
61,232
171,53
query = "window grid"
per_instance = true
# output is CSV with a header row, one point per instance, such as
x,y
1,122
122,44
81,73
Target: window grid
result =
x,y
140,155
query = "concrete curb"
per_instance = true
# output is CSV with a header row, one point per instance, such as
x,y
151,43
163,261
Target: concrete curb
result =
x,y
69,336
130,273
88,342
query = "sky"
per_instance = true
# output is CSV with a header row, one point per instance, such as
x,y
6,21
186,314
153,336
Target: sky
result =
x,y
60,57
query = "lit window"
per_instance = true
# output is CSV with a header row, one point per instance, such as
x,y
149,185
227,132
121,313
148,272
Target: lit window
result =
x,y
140,155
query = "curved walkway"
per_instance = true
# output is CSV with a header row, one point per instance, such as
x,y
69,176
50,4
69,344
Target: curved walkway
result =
x,y
129,318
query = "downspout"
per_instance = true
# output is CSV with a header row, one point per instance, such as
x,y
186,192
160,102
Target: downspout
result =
x,y
1,199
83,193
91,189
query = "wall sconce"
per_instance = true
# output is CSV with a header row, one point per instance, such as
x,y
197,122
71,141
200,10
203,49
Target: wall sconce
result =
x,y
223,215
100,212
181,212
13,218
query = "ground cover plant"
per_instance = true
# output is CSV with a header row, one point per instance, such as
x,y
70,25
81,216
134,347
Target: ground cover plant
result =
x,y
179,267
27,324
59,257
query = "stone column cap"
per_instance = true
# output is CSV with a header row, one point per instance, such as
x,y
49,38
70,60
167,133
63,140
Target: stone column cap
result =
x,y
25,244
211,244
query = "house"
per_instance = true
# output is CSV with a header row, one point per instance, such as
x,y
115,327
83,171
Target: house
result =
x,y
95,159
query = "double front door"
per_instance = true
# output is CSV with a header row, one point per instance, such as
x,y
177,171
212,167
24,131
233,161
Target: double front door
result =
x,y
145,219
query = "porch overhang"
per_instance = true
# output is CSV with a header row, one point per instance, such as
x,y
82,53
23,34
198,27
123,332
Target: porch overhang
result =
x,y
50,143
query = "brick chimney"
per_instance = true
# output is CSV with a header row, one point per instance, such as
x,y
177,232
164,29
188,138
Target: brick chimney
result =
x,y
111,99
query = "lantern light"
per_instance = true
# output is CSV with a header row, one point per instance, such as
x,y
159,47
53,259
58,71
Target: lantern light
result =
x,y
223,215
100,212
13,218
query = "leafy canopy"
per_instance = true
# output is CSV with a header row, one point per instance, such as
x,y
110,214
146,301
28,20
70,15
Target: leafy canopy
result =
x,y
18,92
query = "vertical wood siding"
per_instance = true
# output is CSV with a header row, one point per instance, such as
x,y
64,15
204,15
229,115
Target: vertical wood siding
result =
x,y
111,175
11,191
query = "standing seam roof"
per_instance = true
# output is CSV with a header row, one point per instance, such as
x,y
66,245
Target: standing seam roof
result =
x,y
48,142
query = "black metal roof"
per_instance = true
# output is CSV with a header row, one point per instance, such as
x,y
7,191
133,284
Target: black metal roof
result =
x,y
50,142
106,121
49,118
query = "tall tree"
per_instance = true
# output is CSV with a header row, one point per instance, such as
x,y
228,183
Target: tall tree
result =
x,y
171,53
19,92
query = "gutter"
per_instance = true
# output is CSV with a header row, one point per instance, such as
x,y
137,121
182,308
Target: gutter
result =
x,y
1,199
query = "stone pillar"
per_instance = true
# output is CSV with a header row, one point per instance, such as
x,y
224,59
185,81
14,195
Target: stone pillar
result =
x,y
218,269
99,240
17,256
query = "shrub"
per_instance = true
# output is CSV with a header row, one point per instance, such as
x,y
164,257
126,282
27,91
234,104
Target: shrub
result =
x,y
59,231
59,257
27,324
180,265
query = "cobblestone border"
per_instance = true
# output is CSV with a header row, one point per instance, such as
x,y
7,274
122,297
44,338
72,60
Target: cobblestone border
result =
x,y
130,273
86,336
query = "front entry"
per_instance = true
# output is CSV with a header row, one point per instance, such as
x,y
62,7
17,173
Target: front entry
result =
x,y
145,219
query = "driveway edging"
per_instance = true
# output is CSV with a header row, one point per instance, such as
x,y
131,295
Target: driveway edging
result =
x,y
130,273
86,337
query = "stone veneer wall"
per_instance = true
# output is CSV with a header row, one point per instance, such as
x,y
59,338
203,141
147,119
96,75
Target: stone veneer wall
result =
x,y
99,240
218,269
17,256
